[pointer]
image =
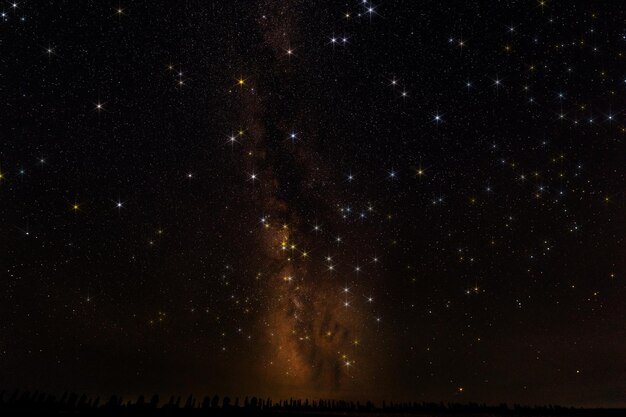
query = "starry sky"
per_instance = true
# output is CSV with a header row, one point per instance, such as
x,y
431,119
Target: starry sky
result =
x,y
400,199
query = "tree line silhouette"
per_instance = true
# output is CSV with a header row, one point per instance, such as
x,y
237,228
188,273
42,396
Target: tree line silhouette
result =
x,y
41,402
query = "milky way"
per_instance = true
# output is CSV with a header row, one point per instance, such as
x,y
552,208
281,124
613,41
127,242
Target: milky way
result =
x,y
312,324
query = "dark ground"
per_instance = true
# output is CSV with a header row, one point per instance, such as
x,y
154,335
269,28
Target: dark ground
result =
x,y
26,402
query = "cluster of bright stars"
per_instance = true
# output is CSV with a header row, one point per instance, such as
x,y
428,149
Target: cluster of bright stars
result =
x,y
5,16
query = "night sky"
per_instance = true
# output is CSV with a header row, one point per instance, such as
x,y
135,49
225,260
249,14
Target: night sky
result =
x,y
402,199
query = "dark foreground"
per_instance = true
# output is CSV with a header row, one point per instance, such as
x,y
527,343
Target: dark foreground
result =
x,y
26,402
